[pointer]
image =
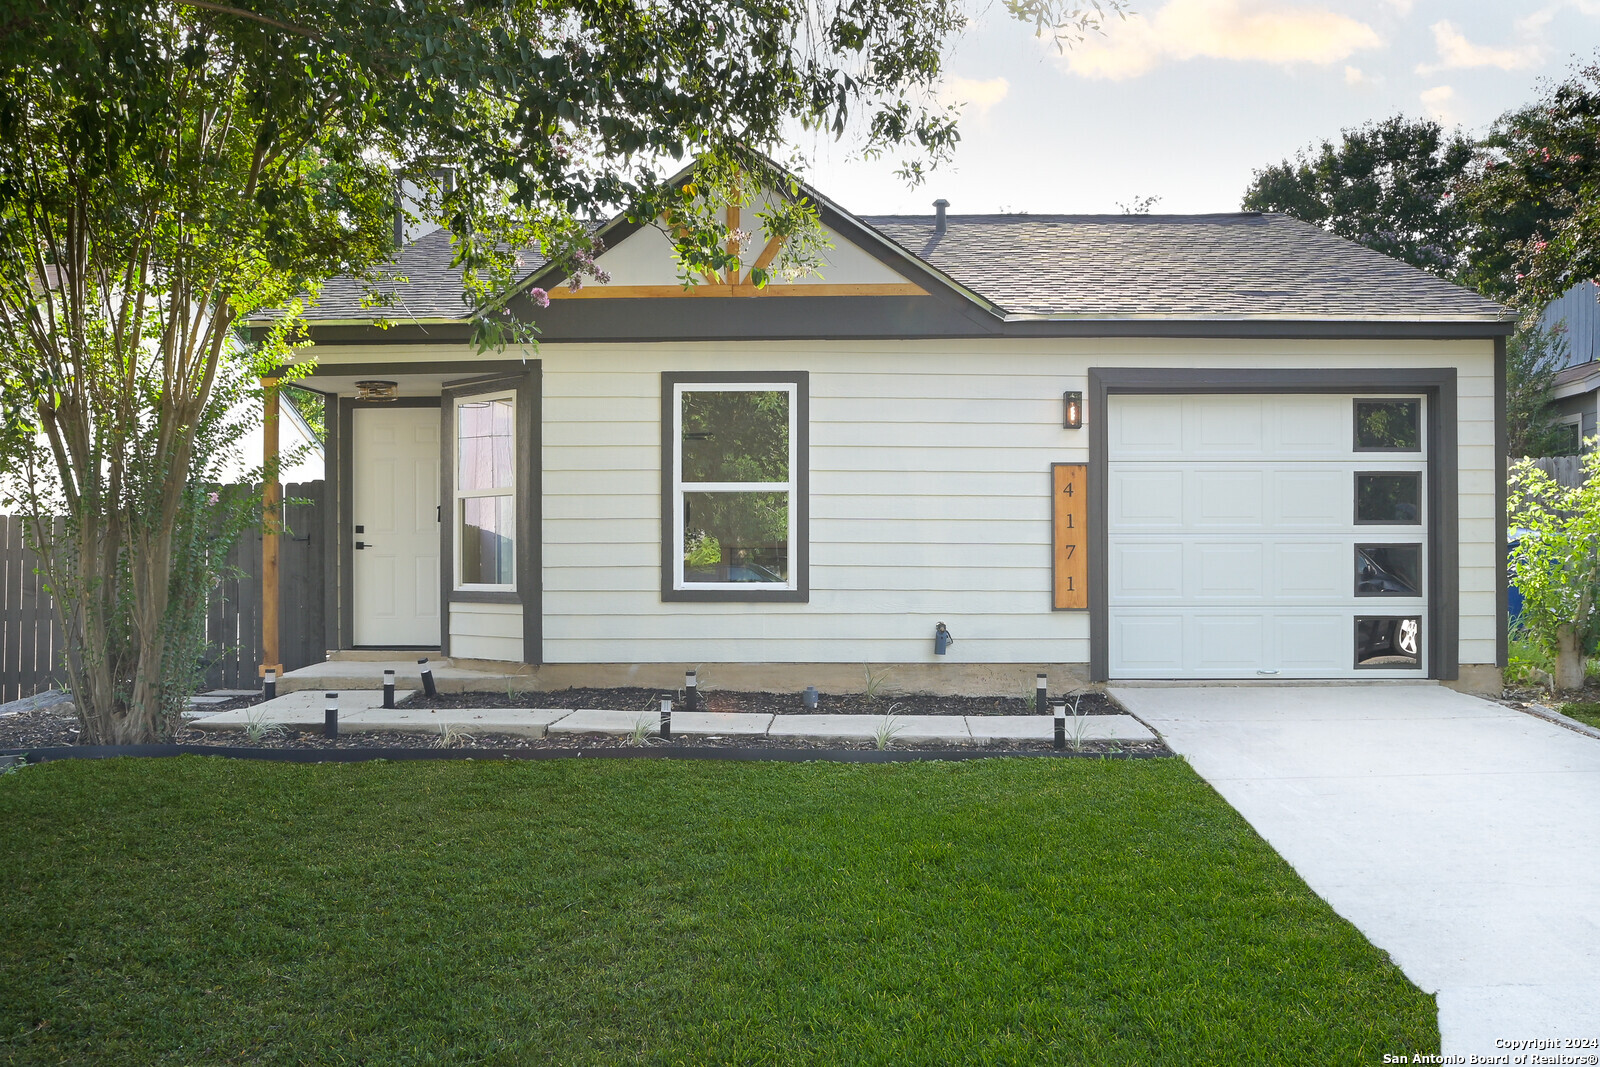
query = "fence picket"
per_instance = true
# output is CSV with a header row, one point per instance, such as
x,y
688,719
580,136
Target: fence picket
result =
x,y
32,644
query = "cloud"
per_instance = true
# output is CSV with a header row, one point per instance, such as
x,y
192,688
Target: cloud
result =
x,y
1458,53
979,96
1267,31
1401,7
1355,76
1439,103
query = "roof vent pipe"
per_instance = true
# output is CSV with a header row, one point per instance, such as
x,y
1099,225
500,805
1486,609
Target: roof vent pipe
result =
x,y
938,218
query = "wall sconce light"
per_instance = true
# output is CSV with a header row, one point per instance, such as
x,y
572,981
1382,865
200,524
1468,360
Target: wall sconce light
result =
x,y
1072,417
372,389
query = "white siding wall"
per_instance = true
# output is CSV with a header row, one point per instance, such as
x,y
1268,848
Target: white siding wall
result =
x,y
929,499
929,495
486,631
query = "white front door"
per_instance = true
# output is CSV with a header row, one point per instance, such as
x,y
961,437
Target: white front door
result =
x,y
394,463
1260,536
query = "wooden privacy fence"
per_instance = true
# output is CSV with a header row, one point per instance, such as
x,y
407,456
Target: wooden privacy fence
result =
x,y
1565,470
31,645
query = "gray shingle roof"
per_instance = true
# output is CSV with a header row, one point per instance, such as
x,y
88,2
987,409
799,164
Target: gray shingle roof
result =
x,y
1177,266
431,290
1173,267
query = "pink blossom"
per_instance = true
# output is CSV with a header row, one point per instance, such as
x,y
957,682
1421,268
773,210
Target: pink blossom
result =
x,y
574,283
539,296
1540,246
212,498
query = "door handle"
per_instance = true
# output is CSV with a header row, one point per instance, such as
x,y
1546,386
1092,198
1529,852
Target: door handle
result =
x,y
363,544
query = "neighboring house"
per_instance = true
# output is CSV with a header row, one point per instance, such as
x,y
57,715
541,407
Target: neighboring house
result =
x,y
1577,387
299,449
1291,446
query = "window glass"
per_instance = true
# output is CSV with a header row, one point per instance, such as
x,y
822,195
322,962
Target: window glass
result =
x,y
1389,570
1389,497
735,436
736,537
488,538
484,430
734,486
1389,641
1388,425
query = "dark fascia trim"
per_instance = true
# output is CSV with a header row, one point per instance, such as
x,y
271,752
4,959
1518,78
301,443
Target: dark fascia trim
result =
x,y
1444,535
467,368
801,594
1503,611
847,318
527,385
341,458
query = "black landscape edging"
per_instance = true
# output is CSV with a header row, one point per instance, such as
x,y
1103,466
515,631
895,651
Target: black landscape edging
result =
x,y
736,755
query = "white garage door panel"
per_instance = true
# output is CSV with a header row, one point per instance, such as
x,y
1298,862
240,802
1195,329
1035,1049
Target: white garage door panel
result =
x,y
1228,570
1147,571
1311,571
1149,643
1231,537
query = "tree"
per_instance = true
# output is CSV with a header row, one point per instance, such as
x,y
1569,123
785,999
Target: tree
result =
x,y
1557,562
1534,355
1538,179
1388,185
169,167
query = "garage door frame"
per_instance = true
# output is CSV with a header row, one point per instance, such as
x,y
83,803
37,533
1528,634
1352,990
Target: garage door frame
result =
x,y
1438,384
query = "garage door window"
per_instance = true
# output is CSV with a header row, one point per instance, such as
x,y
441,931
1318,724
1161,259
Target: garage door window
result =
x,y
1389,570
1389,642
1388,426
1390,498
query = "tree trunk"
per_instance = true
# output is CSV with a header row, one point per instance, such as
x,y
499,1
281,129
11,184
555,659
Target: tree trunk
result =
x,y
1569,657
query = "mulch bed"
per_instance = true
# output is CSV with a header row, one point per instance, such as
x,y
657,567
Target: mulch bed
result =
x,y
47,727
719,700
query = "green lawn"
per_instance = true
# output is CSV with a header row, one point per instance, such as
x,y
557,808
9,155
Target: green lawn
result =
x,y
1587,713
202,911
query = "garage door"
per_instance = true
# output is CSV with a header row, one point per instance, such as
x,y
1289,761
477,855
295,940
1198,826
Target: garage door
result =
x,y
1266,536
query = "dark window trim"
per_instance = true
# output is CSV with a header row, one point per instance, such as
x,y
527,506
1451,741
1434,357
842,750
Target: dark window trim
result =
x,y
528,386
341,459
800,506
1355,420
1356,579
1443,534
1422,498
1355,649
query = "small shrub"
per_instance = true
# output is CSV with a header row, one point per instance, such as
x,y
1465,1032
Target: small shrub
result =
x,y
1585,711
1524,653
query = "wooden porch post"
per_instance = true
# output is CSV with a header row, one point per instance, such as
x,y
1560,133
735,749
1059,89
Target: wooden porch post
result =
x,y
272,523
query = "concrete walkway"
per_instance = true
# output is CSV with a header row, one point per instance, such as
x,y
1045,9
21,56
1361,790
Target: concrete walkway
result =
x,y
359,712
1460,836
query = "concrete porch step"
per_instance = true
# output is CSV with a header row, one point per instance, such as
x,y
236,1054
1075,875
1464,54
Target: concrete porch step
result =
x,y
343,674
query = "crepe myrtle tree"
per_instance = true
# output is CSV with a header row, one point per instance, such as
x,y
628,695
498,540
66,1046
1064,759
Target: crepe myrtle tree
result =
x,y
1538,180
1557,562
170,167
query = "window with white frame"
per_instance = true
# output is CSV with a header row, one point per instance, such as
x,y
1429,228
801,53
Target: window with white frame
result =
x,y
735,486
486,494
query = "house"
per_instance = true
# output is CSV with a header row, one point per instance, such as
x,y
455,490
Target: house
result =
x,y
1577,386
1117,447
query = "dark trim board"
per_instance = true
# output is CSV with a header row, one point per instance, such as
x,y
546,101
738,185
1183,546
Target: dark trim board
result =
x,y
1437,384
527,385
853,318
1502,608
801,505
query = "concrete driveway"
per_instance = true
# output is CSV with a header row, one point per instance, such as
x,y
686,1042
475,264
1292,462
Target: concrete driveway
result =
x,y
1463,838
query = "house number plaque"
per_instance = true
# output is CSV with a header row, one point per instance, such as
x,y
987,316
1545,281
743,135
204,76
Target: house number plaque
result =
x,y
1069,484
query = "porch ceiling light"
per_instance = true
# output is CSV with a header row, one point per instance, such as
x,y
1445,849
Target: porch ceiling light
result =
x,y
373,389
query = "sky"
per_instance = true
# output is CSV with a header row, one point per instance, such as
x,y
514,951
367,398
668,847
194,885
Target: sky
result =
x,y
1185,99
